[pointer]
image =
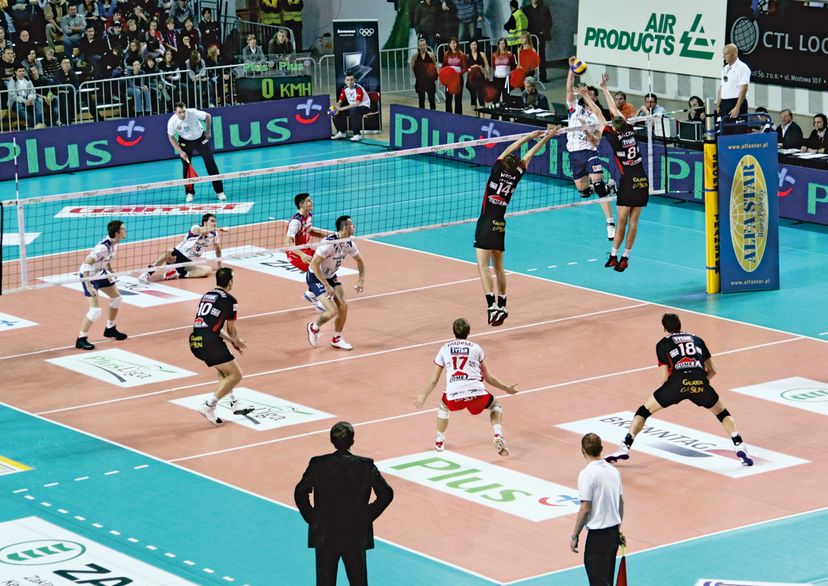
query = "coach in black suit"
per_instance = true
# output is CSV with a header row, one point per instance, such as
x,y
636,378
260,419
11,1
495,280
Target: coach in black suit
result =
x,y
340,520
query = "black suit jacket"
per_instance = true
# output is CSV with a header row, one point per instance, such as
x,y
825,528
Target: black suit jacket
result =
x,y
341,517
793,137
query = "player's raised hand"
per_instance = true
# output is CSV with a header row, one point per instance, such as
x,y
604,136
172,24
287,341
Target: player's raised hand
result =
x,y
604,80
536,134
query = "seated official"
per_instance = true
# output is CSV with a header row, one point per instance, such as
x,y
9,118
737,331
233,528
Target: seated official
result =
x,y
626,108
818,140
531,97
788,132
353,104
695,107
651,106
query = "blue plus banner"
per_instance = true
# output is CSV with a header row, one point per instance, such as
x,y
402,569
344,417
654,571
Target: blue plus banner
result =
x,y
140,140
748,212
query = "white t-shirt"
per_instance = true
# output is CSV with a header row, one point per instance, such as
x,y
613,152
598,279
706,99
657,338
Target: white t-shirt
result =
x,y
462,361
102,254
600,484
190,128
193,244
333,253
737,74
578,116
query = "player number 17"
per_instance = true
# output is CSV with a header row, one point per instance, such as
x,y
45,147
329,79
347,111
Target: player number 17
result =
x,y
459,362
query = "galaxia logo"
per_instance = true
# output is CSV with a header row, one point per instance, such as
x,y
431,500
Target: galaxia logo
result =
x,y
749,213
122,370
308,108
40,552
129,129
806,395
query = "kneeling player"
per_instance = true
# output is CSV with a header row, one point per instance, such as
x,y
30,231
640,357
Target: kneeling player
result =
x,y
216,309
465,373
191,247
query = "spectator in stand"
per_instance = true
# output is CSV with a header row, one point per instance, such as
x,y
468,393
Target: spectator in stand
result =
x,y
28,16
66,95
817,141
112,63
270,12
154,41
142,20
132,54
190,31
88,9
218,77
160,97
184,51
3,41
27,104
180,12
503,61
696,107
454,58
50,64
478,66
53,13
424,68
353,104
627,109
768,125
132,32
106,10
280,44
469,14
292,18
73,25
253,53
170,36
526,45
209,30
91,49
137,88
117,16
23,45
172,75
47,98
428,19
540,25
164,7
31,63
788,132
116,37
650,105
8,64
199,79
531,97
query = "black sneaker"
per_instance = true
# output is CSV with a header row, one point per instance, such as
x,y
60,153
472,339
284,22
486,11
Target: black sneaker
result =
x,y
611,261
114,333
500,316
82,343
622,265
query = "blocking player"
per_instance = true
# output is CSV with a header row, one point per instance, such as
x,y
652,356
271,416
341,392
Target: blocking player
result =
x,y
323,282
98,263
465,374
191,247
299,231
490,234
686,369
634,187
216,309
587,171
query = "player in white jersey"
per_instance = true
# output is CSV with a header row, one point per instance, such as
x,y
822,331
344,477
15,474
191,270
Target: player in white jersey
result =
x,y
465,375
323,282
191,247
587,170
98,263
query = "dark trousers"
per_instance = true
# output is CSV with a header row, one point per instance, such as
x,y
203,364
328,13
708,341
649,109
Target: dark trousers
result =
x,y
727,105
327,565
352,117
457,100
599,555
542,54
202,145
430,92
477,97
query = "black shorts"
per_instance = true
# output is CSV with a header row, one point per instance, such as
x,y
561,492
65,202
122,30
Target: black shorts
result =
x,y
490,234
680,387
634,190
179,257
209,348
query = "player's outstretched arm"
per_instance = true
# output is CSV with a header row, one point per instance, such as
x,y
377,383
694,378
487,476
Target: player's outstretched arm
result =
x,y
435,376
584,93
570,83
608,97
495,382
535,149
519,143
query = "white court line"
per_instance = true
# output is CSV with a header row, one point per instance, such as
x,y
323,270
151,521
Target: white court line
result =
x,y
228,485
343,359
679,542
502,396
252,316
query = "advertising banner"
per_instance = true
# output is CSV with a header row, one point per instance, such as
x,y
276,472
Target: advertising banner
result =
x,y
748,213
357,53
685,37
140,140
784,43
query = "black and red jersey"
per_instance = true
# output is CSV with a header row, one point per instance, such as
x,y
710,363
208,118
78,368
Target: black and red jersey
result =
x,y
499,190
215,308
683,353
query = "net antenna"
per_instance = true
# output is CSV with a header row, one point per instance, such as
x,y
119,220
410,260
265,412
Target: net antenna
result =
x,y
21,222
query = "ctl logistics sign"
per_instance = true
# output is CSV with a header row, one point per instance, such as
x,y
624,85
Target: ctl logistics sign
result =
x,y
125,142
684,37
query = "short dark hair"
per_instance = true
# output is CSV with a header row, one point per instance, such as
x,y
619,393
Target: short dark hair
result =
x,y
651,95
592,89
513,4
591,445
299,198
762,110
113,227
823,118
671,322
342,435
223,276
697,98
461,328
340,221
206,217
620,93
509,162
180,105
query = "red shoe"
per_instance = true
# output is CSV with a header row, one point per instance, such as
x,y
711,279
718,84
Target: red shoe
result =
x,y
622,265
611,261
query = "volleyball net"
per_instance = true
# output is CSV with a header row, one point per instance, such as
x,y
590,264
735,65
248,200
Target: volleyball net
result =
x,y
46,239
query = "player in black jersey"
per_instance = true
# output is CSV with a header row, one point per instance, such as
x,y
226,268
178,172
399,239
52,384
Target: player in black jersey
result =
x,y
490,235
686,369
216,309
634,187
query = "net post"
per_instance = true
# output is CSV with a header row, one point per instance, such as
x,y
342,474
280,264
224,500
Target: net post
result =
x,y
21,224
650,146
711,200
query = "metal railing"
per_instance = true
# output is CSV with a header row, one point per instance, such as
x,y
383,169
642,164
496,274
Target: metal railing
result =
x,y
52,105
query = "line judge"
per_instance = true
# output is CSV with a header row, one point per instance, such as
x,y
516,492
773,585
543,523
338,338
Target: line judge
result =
x,y
192,137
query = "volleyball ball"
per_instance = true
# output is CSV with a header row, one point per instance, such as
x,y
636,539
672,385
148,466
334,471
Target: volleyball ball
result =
x,y
331,111
577,66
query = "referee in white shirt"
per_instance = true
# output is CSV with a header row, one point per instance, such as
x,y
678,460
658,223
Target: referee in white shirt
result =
x,y
602,508
733,90
186,123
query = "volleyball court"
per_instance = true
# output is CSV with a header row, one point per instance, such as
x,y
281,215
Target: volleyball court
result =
x,y
583,361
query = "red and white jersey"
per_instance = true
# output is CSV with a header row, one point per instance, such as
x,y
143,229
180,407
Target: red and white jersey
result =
x,y
358,95
463,363
299,228
194,243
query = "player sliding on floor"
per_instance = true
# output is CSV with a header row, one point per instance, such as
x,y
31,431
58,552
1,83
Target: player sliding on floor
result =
x,y
490,234
191,247
634,187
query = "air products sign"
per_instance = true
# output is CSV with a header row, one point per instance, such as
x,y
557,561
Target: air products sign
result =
x,y
664,36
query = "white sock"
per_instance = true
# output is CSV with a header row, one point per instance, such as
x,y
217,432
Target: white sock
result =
x,y
110,323
610,220
498,429
441,437
627,252
337,334
82,335
614,252
231,398
212,400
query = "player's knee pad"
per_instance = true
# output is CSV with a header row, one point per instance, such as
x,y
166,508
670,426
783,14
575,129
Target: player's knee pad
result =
x,y
93,313
586,191
495,407
721,416
115,302
600,188
442,412
643,412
